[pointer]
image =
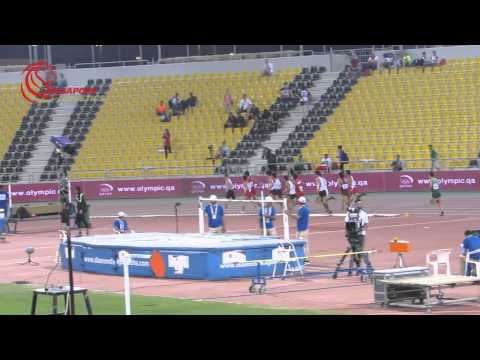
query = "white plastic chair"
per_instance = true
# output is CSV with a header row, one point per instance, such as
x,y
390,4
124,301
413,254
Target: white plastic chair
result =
x,y
439,257
474,263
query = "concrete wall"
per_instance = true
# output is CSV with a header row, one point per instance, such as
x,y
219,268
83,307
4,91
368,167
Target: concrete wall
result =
x,y
78,77
451,52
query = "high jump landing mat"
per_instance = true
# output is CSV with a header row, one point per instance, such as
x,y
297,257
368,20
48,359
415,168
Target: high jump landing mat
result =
x,y
177,256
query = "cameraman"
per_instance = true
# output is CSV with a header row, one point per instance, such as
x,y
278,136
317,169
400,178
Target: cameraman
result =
x,y
356,223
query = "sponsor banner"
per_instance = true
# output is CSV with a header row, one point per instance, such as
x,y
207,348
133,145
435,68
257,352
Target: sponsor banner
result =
x,y
35,192
420,181
178,187
126,189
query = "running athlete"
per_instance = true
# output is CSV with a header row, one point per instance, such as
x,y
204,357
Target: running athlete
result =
x,y
355,193
248,190
322,190
436,194
276,187
230,189
299,191
345,189
290,191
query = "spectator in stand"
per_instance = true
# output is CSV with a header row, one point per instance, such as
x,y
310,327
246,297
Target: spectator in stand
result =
x,y
254,112
266,115
62,82
478,160
245,104
434,158
354,60
285,93
268,70
327,162
167,143
434,60
228,101
397,164
175,104
162,111
240,122
224,151
398,64
304,97
191,101
423,61
407,60
231,122
342,157
388,62
373,61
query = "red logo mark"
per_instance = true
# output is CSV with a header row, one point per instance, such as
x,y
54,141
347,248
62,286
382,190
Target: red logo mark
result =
x,y
39,83
37,79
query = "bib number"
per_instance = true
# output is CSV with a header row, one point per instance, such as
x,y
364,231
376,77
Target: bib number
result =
x,y
435,187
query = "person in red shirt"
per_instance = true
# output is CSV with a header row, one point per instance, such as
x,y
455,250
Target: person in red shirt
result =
x,y
167,143
299,190
162,111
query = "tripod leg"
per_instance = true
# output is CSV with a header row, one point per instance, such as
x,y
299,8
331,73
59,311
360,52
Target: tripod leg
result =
x,y
340,263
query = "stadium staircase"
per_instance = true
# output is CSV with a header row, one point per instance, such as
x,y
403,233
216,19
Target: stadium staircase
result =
x,y
44,147
74,123
388,114
258,162
310,124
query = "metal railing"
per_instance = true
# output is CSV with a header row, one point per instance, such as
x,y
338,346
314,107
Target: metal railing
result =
x,y
113,63
243,56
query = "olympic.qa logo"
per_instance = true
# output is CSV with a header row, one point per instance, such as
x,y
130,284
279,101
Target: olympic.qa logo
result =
x,y
39,81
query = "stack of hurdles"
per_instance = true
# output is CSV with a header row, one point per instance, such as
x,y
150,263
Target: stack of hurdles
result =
x,y
127,132
388,114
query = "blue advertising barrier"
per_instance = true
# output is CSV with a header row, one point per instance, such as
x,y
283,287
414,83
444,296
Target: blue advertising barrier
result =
x,y
184,256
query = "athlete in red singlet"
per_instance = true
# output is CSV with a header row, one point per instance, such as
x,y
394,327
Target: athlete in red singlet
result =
x,y
299,190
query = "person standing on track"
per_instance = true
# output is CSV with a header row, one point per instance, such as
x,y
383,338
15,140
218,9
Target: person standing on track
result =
x,y
436,193
303,217
344,185
276,187
248,190
290,191
215,215
81,219
269,213
322,190
167,143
